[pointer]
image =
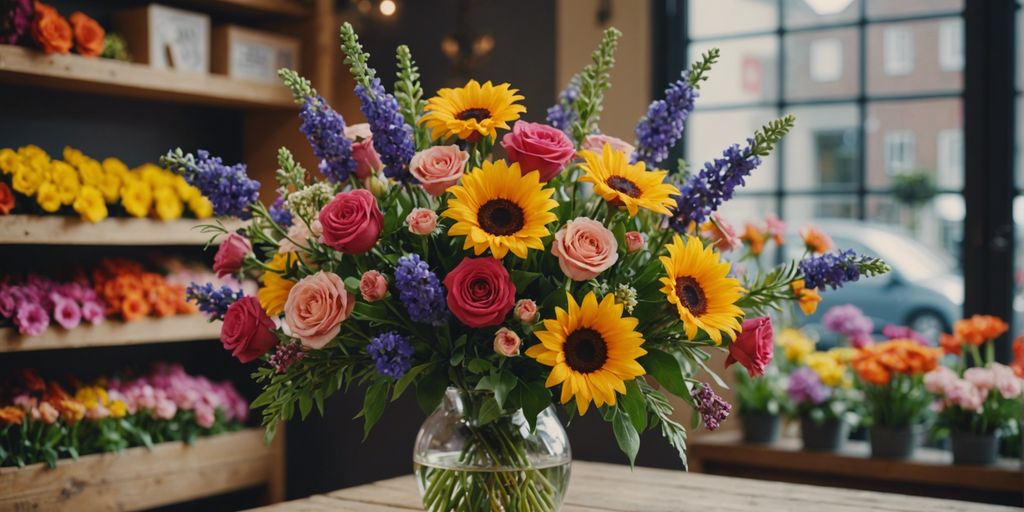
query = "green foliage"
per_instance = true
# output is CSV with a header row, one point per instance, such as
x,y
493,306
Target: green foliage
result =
x,y
661,410
626,435
594,82
771,133
300,87
356,58
290,174
409,94
765,394
914,188
903,402
770,290
699,69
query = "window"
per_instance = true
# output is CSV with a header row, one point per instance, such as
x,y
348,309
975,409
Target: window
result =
x,y
899,151
951,45
826,60
898,45
950,158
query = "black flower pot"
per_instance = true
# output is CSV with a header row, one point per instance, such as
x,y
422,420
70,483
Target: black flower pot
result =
x,y
895,443
827,436
760,427
976,449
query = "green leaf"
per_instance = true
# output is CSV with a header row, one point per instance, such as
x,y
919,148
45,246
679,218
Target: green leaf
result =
x,y
489,411
478,365
305,405
430,390
521,278
407,379
626,436
501,383
352,284
373,405
457,357
665,368
534,398
633,403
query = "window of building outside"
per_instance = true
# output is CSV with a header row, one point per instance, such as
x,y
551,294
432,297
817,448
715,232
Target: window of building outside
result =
x,y
1018,203
877,90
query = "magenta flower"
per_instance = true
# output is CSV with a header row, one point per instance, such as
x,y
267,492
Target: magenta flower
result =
x,y
31,319
66,311
92,312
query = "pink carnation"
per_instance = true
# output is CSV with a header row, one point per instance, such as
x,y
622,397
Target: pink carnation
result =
x,y
31,319
66,311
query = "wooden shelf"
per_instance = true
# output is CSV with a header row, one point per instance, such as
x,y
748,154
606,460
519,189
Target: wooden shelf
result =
x,y
140,478
63,230
261,8
114,333
26,66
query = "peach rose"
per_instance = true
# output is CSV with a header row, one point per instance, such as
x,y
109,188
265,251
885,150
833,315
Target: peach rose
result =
x,y
584,248
373,286
506,342
421,221
635,241
438,167
316,307
50,30
89,35
366,157
595,142
526,311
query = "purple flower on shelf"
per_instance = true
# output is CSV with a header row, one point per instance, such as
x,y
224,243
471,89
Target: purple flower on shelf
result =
x,y
712,408
420,290
285,356
849,321
392,137
563,114
805,386
227,187
15,21
716,183
902,332
211,300
662,127
325,130
830,269
391,353
279,214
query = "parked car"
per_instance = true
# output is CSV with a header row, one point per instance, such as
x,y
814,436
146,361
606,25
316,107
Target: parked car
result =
x,y
924,291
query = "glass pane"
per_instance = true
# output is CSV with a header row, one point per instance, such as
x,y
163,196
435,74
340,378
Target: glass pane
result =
x,y
915,136
894,8
1018,277
742,209
937,224
823,150
747,71
1020,142
719,17
709,133
802,13
822,64
916,57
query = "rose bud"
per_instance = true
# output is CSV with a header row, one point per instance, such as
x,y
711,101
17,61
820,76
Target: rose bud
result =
x,y
247,331
526,311
231,254
506,342
753,347
421,221
635,241
373,286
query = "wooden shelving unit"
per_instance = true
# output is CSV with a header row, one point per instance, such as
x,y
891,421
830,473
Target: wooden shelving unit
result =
x,y
140,478
256,8
25,66
114,333
61,230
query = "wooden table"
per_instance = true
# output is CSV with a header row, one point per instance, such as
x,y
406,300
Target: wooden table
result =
x,y
614,488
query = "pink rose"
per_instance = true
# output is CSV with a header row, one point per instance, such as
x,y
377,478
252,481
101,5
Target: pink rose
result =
x,y
366,157
538,147
438,167
205,416
247,331
421,221
721,233
753,347
635,241
351,222
165,409
316,307
480,292
1007,382
373,286
966,396
595,142
939,380
526,311
506,342
300,234
231,254
584,248
981,378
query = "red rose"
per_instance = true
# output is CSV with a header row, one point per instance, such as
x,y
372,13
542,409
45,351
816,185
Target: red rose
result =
x,y
352,222
538,147
247,330
753,347
480,292
231,254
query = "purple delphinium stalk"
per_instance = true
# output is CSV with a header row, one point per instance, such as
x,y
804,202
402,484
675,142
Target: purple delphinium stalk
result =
x,y
392,137
212,301
563,114
420,290
325,130
902,332
280,214
805,386
285,356
227,187
391,353
848,320
713,409
716,183
15,21
831,269
659,131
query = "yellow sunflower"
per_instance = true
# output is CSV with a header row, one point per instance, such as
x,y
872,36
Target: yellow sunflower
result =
x,y
498,208
274,292
696,283
472,112
591,349
624,184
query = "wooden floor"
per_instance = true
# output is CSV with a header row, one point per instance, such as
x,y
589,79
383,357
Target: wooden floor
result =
x,y
614,488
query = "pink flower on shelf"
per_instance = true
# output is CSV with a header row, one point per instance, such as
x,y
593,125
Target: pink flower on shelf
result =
x,y
205,416
31,319
66,311
939,380
981,378
963,394
165,409
92,312
1006,381
373,286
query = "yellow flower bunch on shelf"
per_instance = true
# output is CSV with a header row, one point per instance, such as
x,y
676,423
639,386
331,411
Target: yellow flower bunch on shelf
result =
x,y
90,186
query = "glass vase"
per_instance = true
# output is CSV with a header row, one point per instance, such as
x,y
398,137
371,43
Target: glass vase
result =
x,y
465,459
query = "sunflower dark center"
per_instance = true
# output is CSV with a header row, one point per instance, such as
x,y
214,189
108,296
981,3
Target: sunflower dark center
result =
x,y
500,217
624,185
478,114
691,295
585,350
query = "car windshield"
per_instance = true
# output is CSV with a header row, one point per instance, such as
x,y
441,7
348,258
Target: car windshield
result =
x,y
909,257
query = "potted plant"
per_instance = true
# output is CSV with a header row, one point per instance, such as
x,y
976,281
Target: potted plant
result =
x,y
891,375
762,403
822,398
976,405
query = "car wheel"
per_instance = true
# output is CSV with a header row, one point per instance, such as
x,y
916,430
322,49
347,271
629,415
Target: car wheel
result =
x,y
929,324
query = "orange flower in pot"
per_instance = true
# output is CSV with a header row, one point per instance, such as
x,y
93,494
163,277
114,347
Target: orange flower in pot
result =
x,y
89,35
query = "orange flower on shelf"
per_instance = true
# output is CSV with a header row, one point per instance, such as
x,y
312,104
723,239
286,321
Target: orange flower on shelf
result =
x,y
876,363
950,344
979,329
134,307
50,30
89,35
6,199
134,294
1018,356
11,415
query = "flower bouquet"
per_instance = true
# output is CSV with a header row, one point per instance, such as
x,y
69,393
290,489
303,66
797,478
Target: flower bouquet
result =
x,y
568,273
822,395
979,404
